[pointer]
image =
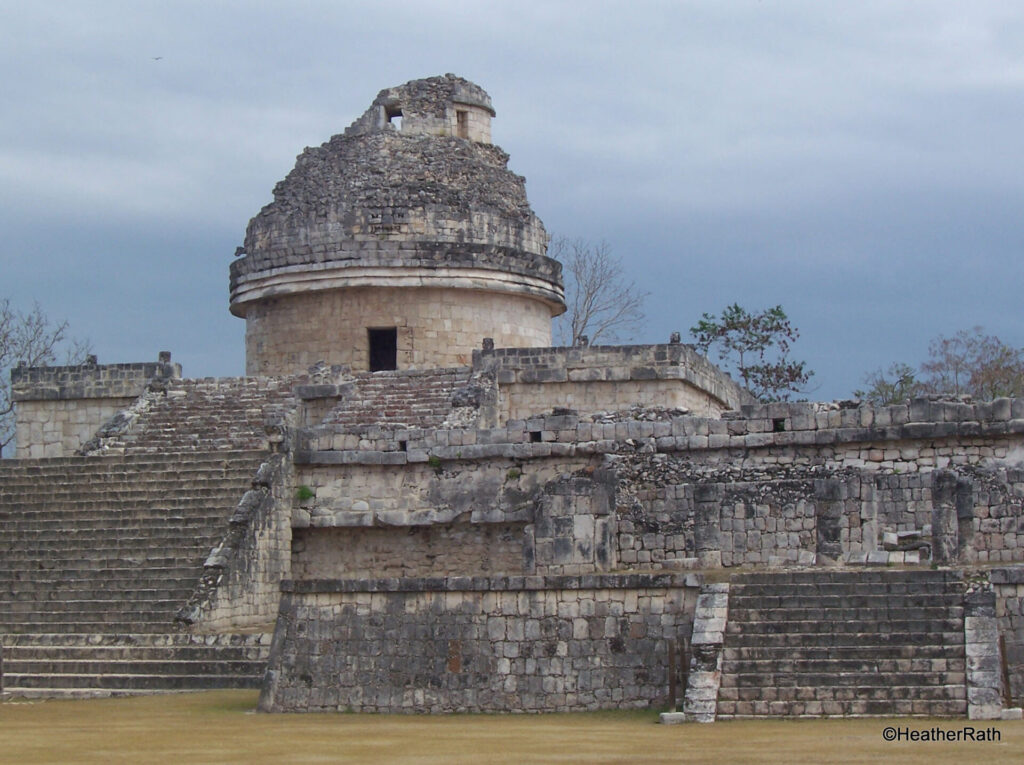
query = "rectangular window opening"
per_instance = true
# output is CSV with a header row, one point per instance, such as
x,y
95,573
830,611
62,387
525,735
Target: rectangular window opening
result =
x,y
462,123
534,436
394,115
779,425
383,348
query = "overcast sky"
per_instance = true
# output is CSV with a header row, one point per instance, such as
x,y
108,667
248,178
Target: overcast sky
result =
x,y
860,163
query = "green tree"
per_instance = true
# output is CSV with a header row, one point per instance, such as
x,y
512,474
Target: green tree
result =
x,y
756,347
890,386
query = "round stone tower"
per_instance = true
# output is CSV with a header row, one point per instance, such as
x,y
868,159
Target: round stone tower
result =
x,y
400,244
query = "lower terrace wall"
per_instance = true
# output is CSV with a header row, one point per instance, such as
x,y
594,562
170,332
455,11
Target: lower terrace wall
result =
x,y
476,644
786,484
603,504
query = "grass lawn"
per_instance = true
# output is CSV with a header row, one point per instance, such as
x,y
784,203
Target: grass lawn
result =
x,y
220,727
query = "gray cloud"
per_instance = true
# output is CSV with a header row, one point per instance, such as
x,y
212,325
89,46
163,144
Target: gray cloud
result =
x,y
858,163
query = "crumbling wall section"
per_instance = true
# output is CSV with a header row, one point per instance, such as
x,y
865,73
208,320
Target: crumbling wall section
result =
x,y
454,518
240,586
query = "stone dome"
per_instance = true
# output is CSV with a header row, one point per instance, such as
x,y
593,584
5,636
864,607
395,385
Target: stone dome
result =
x,y
412,196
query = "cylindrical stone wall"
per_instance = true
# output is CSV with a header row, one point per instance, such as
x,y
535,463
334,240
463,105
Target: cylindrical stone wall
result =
x,y
436,327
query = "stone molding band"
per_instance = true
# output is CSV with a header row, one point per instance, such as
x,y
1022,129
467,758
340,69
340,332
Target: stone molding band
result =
x,y
292,280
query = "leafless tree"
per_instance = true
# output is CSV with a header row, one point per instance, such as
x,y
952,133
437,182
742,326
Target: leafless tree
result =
x,y
973,363
29,337
969,363
603,304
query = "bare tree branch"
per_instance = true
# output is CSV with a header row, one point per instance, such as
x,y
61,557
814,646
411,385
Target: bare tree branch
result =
x,y
32,338
602,303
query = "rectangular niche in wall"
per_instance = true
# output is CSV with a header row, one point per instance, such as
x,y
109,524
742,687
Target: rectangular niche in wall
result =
x,y
462,123
383,348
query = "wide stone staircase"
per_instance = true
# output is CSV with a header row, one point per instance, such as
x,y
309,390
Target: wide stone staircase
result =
x,y
849,644
96,556
416,399
227,413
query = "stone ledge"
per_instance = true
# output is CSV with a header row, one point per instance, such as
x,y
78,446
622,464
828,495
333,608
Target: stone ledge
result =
x,y
1007,575
494,583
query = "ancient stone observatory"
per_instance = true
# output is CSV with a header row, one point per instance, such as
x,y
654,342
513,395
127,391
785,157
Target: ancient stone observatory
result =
x,y
397,245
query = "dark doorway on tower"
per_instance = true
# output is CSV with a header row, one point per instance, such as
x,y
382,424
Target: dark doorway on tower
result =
x,y
383,349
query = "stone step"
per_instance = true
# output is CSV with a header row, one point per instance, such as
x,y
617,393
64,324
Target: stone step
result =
x,y
843,613
116,620
40,557
111,604
132,666
128,574
895,691
737,710
15,682
815,627
163,640
829,666
110,653
819,577
47,529
789,652
847,600
87,591
123,567
928,683
868,640
102,501
833,589
135,626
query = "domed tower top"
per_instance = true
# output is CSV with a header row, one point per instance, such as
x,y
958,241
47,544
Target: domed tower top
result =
x,y
446,105
409,222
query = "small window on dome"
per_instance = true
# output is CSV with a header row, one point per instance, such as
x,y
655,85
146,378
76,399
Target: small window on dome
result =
x,y
383,348
462,122
394,115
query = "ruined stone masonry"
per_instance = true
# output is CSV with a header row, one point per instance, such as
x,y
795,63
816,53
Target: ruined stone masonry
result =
x,y
414,503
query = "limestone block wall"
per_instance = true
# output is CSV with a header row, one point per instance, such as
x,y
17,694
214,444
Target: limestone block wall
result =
x,y
488,516
607,378
1008,584
477,644
409,551
806,519
796,483
58,409
240,586
435,327
521,400
59,428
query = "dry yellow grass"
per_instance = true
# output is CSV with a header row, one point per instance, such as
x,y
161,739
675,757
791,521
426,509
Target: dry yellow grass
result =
x,y
220,727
